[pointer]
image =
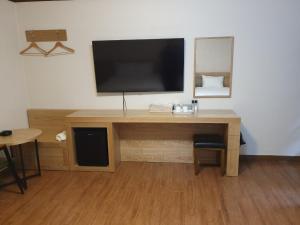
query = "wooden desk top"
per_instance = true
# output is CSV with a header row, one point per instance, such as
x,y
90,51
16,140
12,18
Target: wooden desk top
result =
x,y
20,136
141,116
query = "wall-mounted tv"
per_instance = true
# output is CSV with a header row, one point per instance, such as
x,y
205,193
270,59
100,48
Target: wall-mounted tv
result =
x,y
145,65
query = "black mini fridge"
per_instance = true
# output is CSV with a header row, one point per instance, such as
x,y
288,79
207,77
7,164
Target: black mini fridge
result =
x,y
91,146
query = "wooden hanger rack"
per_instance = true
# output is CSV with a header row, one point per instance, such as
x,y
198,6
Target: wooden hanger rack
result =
x,y
46,35
57,36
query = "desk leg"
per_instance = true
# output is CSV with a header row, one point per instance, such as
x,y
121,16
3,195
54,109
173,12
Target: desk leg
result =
x,y
37,157
38,173
233,153
23,167
13,170
233,149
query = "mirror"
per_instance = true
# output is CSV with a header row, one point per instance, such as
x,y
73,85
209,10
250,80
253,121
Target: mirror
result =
x,y
213,67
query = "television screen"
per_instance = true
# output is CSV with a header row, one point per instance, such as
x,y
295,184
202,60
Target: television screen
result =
x,y
146,65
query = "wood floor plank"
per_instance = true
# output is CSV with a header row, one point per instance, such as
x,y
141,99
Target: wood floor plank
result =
x,y
266,192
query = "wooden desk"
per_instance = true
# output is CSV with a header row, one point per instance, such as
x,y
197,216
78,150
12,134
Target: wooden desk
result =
x,y
110,119
19,137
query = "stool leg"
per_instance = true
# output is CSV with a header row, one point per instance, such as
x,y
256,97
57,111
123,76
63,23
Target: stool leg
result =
x,y
196,162
223,161
13,170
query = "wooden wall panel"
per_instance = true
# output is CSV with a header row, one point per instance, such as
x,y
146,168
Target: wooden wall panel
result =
x,y
50,121
162,151
53,154
163,142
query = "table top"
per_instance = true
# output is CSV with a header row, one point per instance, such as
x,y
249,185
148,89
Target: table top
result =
x,y
20,136
146,116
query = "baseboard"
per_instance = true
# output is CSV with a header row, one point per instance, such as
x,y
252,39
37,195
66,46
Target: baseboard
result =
x,y
270,158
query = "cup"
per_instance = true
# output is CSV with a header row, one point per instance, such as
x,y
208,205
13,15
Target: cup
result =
x,y
177,108
185,108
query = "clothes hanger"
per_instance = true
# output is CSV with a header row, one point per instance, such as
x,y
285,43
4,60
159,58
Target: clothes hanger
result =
x,y
60,45
33,45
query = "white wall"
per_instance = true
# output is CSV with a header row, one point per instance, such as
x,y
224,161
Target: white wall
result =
x,y
266,58
13,91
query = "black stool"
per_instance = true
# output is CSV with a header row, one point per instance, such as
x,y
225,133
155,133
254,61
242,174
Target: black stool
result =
x,y
211,142
12,168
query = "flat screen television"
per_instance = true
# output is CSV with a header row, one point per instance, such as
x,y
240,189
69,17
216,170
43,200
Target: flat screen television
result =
x,y
145,65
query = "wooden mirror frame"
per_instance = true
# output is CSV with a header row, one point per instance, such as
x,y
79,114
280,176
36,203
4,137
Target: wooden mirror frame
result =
x,y
227,75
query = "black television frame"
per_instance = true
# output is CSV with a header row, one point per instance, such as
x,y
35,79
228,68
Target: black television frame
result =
x,y
142,91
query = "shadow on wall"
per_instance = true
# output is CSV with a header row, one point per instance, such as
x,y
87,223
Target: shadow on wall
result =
x,y
250,148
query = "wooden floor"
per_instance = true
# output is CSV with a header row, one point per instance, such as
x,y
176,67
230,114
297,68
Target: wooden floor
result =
x,y
159,193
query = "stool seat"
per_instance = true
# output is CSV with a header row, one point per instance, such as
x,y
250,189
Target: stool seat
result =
x,y
204,141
